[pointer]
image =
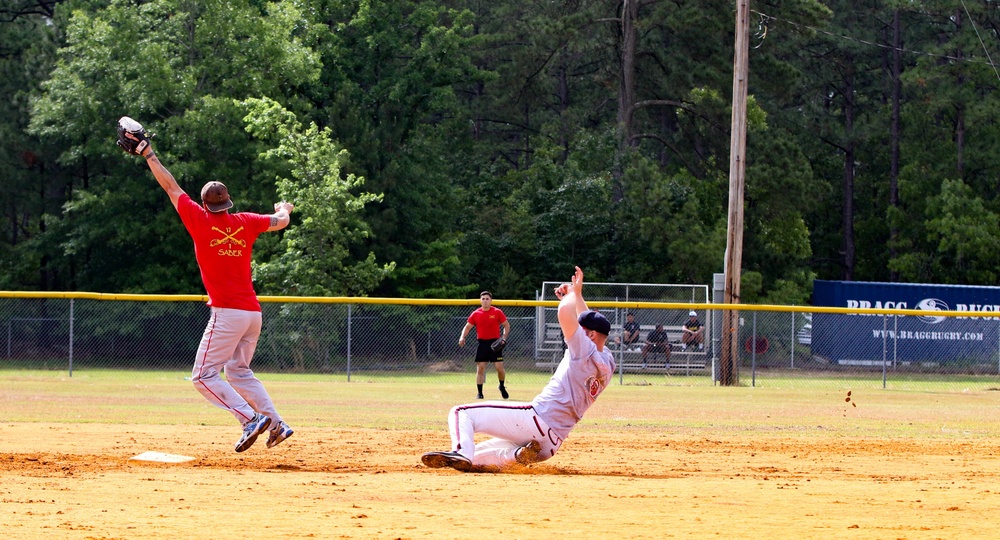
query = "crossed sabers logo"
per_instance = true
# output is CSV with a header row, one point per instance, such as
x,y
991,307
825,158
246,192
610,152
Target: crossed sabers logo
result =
x,y
228,238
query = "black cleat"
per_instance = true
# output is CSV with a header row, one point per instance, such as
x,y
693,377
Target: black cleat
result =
x,y
437,460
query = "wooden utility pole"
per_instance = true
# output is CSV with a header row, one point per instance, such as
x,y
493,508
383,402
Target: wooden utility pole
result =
x,y
729,355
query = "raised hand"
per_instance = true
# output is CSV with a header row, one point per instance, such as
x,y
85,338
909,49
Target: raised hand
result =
x,y
577,281
562,290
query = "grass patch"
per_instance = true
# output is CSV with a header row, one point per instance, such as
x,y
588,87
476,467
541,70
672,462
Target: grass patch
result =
x,y
811,408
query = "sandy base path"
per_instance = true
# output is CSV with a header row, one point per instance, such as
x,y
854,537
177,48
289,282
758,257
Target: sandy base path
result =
x,y
354,483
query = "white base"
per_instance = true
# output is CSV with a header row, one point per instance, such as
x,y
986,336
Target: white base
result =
x,y
160,457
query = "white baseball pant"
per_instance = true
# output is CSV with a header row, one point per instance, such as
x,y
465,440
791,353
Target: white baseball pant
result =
x,y
510,424
228,344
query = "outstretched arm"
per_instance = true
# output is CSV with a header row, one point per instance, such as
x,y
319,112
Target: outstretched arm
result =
x,y
163,176
577,285
571,303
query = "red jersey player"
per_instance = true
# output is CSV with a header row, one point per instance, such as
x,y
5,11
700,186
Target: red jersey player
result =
x,y
487,320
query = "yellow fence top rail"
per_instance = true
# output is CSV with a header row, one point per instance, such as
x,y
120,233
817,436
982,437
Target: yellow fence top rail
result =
x,y
498,302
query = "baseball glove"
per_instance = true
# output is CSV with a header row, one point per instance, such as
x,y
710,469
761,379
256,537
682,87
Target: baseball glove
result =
x,y
498,345
132,137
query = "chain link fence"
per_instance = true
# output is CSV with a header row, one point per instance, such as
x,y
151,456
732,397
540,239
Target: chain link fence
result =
x,y
361,339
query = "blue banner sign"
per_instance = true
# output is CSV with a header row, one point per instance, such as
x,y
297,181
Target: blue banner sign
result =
x,y
867,339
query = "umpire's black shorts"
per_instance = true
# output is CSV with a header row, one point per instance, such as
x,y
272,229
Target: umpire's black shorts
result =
x,y
485,353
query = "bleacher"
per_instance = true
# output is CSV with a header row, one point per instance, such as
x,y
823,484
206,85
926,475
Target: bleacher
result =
x,y
550,351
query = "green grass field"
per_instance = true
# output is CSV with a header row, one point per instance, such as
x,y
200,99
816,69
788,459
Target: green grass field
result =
x,y
683,405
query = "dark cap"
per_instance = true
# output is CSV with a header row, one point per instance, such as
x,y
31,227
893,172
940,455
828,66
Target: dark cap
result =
x,y
215,197
592,320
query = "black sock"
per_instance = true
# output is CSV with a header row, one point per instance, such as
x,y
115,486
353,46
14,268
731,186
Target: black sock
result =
x,y
480,387
501,384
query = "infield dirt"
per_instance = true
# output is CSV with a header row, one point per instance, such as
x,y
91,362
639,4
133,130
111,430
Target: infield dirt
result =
x,y
75,481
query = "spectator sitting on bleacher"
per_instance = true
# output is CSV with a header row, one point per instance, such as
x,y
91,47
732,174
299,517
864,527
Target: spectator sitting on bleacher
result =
x,y
630,333
694,333
656,342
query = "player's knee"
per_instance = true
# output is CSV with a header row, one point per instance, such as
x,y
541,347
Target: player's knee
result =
x,y
238,373
200,376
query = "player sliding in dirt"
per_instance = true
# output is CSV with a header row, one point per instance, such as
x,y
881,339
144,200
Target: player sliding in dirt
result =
x,y
529,432
222,246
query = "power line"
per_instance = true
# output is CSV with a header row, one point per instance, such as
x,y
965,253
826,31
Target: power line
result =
x,y
765,17
967,14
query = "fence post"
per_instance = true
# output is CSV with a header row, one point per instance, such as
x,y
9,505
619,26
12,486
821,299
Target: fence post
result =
x,y
348,342
753,353
71,337
792,342
895,342
885,348
539,326
621,348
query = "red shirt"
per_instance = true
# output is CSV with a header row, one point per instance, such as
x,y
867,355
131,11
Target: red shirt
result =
x,y
487,323
222,245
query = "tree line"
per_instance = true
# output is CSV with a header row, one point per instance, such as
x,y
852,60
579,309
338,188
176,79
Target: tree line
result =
x,y
437,148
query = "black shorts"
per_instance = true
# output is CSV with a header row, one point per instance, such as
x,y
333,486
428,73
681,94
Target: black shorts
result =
x,y
657,347
485,353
